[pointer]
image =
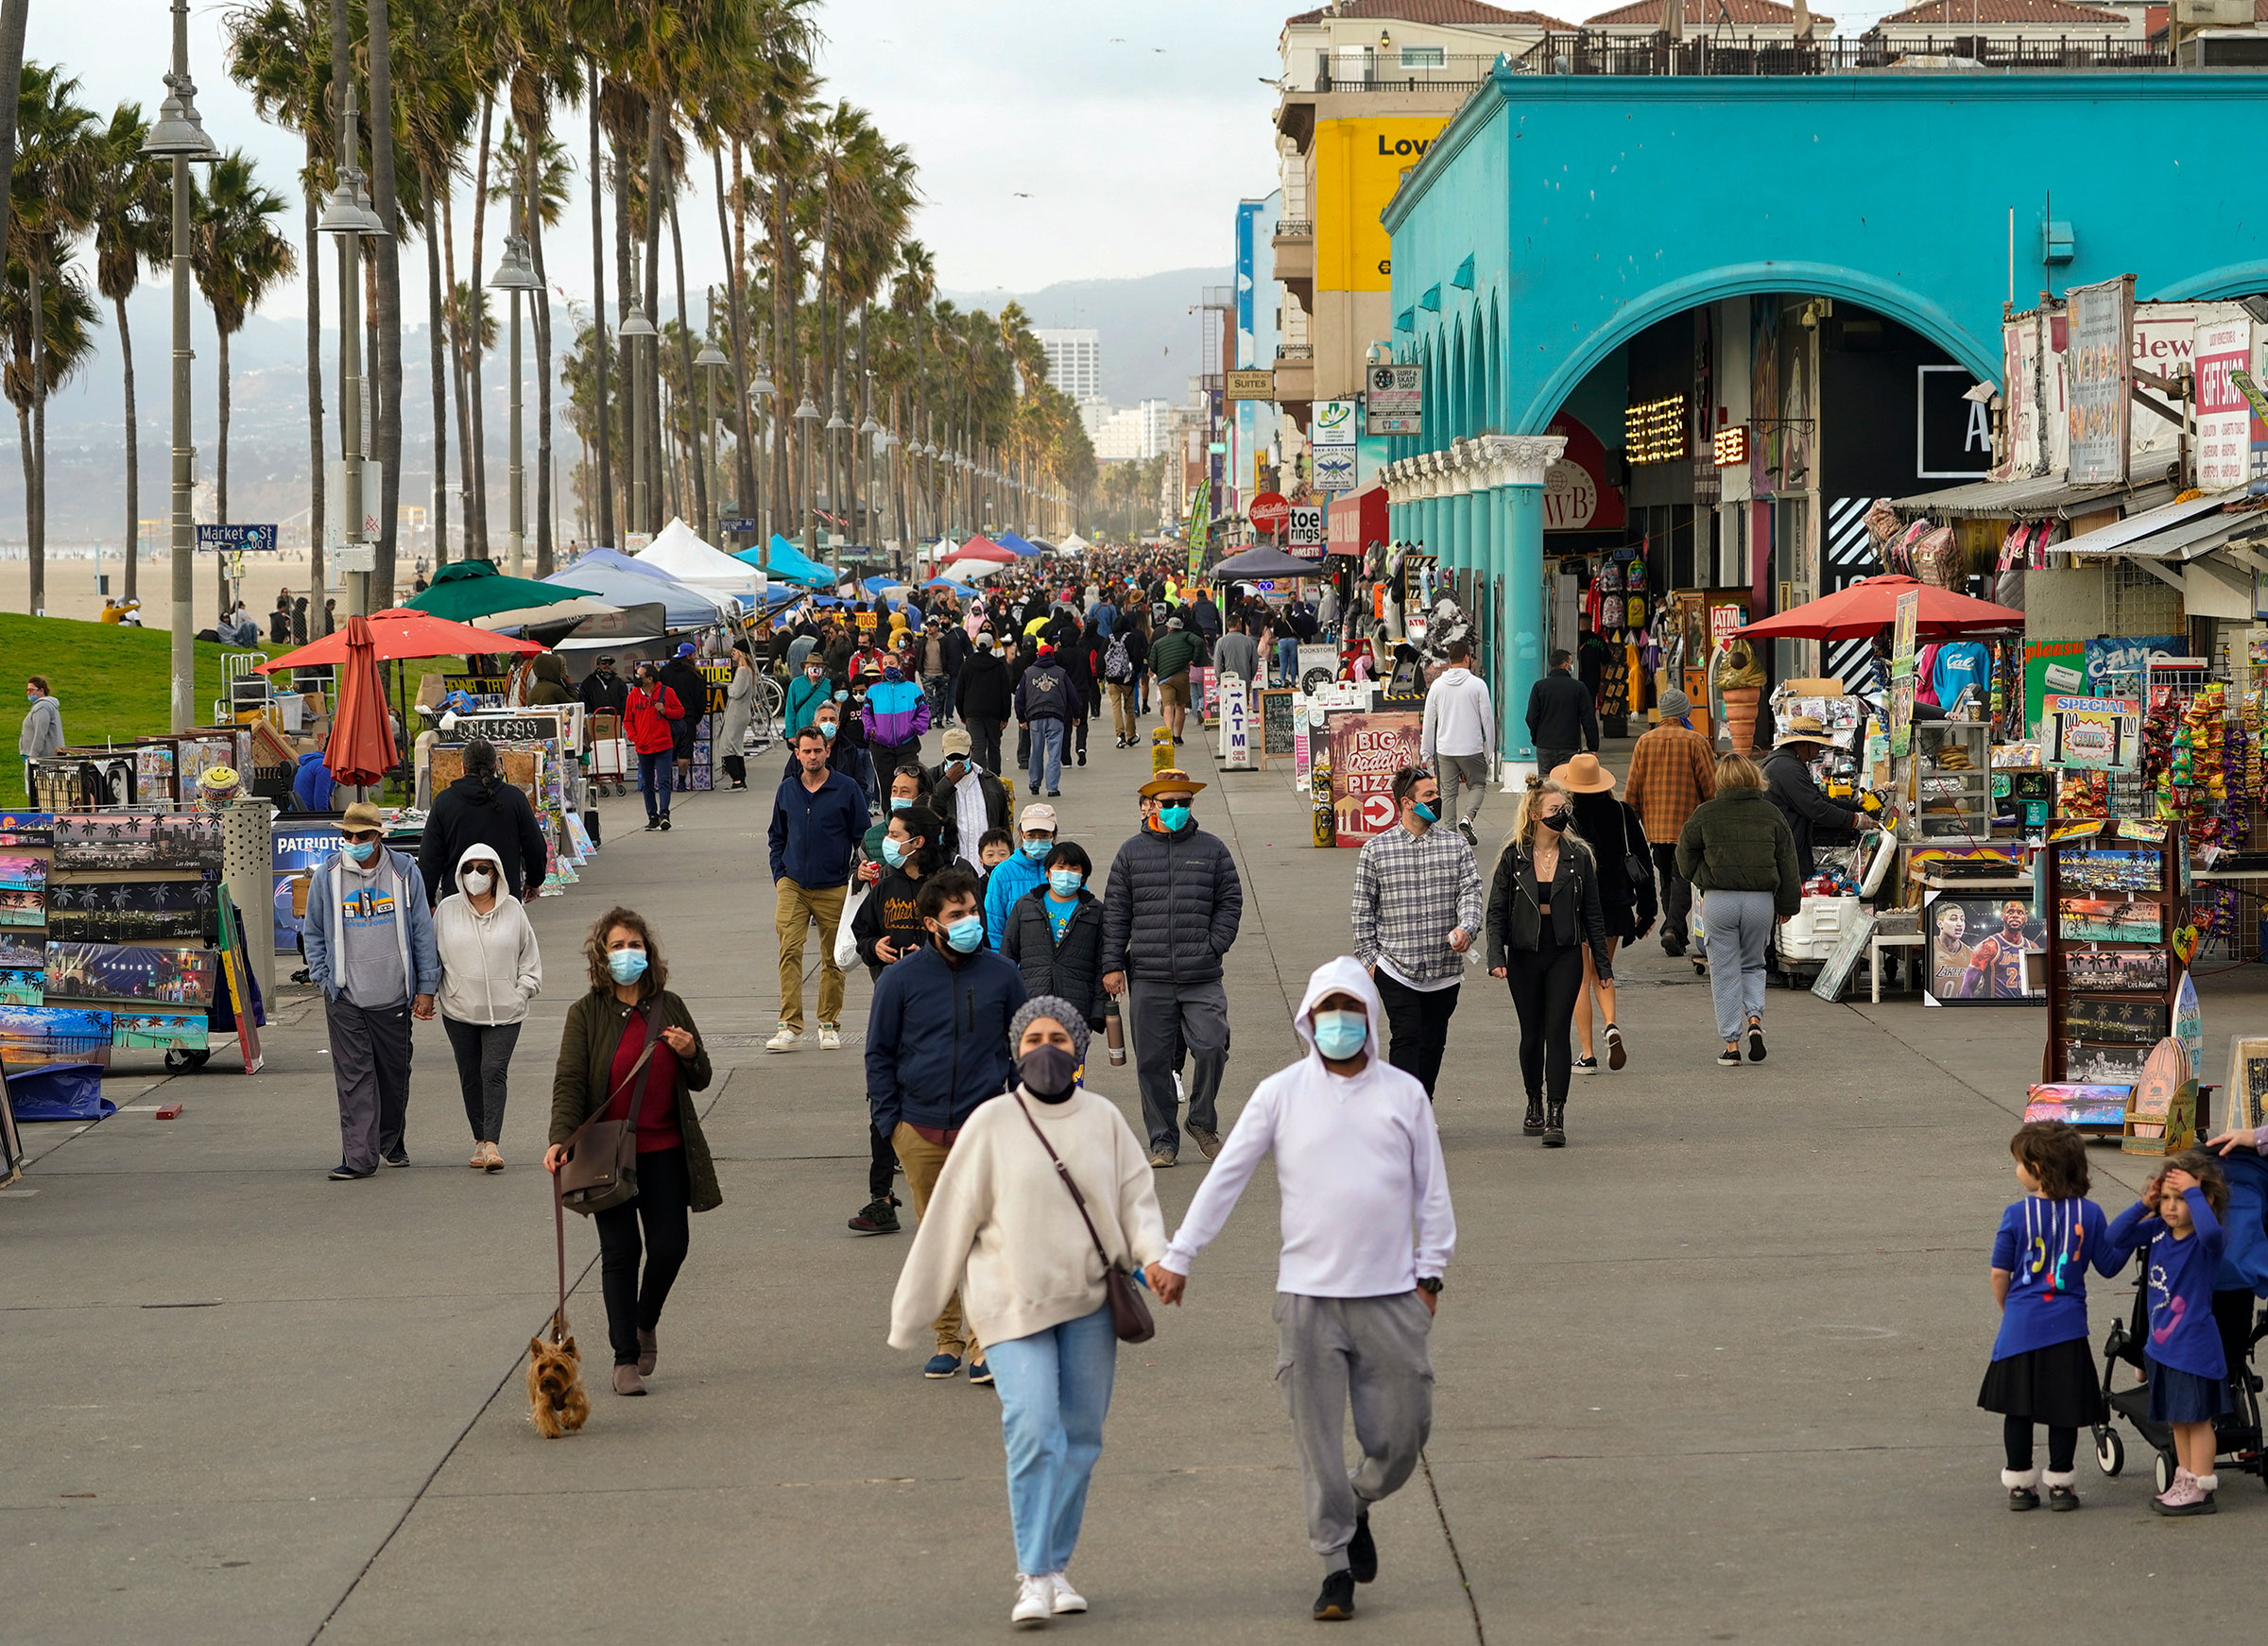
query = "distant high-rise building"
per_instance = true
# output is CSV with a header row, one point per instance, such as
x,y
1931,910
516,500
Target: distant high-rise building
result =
x,y
1075,360
1118,438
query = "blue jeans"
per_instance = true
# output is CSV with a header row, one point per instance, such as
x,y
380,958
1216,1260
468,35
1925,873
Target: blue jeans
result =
x,y
1055,1392
1047,758
1737,934
653,780
1287,662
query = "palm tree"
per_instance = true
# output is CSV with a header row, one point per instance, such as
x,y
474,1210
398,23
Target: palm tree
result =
x,y
237,256
41,359
133,232
51,200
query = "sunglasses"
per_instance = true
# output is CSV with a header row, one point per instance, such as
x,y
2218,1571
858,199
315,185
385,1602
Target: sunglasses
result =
x,y
360,836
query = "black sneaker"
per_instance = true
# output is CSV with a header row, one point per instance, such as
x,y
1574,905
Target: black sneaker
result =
x,y
2022,1498
880,1217
652,824
1756,1041
399,1157
1335,1604
342,1173
1585,1066
1730,1056
1362,1553
2062,1500
665,822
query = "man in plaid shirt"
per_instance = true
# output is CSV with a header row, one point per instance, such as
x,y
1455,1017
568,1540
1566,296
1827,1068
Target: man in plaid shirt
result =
x,y
1417,909
1673,769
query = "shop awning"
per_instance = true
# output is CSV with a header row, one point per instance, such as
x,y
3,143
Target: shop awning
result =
x,y
2173,532
2049,497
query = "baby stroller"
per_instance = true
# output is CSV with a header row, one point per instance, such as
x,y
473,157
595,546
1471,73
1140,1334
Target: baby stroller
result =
x,y
2237,1439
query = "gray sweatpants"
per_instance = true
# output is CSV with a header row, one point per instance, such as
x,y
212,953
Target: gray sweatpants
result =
x,y
1171,1021
1736,928
1468,772
1368,1353
369,1060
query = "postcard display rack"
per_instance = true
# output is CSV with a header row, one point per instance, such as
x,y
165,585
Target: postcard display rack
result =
x,y
2124,1037
535,751
109,934
149,772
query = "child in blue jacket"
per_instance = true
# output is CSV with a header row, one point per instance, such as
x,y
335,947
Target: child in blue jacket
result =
x,y
2176,1224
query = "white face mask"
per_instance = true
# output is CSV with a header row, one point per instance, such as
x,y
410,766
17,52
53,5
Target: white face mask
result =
x,y
477,880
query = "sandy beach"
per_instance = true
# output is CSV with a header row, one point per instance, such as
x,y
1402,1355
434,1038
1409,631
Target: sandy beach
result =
x,y
71,586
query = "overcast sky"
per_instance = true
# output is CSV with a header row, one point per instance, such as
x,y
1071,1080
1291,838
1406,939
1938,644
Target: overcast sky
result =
x,y
1056,139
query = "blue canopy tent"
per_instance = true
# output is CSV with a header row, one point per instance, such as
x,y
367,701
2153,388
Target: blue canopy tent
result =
x,y
789,564
1015,545
621,580
964,590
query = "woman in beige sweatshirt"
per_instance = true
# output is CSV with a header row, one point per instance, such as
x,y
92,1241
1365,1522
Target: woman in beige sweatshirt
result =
x,y
1003,1227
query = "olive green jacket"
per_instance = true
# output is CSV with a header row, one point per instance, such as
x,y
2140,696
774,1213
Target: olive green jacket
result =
x,y
579,1086
1740,843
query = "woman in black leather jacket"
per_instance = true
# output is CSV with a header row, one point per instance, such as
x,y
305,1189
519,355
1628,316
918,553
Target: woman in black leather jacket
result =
x,y
1543,911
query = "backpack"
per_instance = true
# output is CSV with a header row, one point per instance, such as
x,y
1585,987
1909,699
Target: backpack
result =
x,y
1118,664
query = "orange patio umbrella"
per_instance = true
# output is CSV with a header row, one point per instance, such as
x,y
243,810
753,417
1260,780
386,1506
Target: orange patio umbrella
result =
x,y
361,750
402,633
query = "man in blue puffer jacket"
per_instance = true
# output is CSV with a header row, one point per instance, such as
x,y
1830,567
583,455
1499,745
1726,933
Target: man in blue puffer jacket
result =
x,y
896,713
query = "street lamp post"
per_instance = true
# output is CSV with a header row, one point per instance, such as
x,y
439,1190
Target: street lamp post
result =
x,y
708,363
637,327
516,274
180,136
808,413
348,220
760,391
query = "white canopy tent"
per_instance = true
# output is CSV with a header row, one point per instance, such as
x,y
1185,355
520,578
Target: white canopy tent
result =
x,y
678,552
1074,544
972,571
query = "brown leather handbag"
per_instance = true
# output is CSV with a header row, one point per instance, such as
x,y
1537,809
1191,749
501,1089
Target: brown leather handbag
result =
x,y
1129,1316
601,1168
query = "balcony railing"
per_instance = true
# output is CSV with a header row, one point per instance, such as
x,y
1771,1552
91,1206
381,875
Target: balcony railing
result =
x,y
1294,229
1300,353
1720,52
1388,72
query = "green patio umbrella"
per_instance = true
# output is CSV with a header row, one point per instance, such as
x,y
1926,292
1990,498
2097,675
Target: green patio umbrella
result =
x,y
464,590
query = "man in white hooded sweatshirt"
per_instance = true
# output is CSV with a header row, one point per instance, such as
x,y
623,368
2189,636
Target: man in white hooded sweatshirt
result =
x,y
1368,1230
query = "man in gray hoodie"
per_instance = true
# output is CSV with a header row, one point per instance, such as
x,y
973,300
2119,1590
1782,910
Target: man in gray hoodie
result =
x,y
42,734
369,948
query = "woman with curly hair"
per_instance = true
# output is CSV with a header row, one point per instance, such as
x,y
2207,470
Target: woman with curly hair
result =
x,y
605,1066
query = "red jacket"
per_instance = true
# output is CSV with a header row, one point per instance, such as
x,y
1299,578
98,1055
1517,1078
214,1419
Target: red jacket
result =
x,y
647,718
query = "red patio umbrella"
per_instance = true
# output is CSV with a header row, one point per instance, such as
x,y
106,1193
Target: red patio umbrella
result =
x,y
1871,604
403,633
981,547
361,750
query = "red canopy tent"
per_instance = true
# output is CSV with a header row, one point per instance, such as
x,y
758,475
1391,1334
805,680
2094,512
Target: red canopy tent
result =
x,y
402,633
361,750
981,547
1871,604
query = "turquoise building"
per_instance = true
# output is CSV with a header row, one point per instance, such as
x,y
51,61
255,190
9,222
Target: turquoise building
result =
x,y
1561,220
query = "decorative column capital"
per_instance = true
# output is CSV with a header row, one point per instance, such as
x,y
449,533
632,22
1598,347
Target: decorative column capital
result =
x,y
1522,460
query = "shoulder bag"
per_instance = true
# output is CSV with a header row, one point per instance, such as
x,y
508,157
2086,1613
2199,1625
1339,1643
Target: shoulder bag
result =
x,y
1129,1316
601,1168
1638,861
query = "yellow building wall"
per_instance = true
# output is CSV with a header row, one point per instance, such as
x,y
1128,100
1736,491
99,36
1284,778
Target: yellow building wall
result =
x,y
1358,165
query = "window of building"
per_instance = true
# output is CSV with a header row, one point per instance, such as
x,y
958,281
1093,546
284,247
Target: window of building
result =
x,y
1424,56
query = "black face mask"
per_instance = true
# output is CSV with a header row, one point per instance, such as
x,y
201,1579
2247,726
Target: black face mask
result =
x,y
1555,820
1050,1073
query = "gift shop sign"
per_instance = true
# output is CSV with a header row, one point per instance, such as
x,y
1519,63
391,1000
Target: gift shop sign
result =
x,y
2223,415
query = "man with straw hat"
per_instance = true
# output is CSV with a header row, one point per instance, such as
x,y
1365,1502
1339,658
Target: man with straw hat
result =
x,y
1788,781
1170,913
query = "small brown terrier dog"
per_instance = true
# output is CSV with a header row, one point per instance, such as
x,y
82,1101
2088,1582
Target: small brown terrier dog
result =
x,y
555,1385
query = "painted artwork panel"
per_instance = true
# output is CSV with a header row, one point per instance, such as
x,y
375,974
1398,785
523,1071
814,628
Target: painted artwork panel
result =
x,y
127,840
169,974
2108,921
26,829
31,1036
2113,971
2079,1105
118,911
161,1031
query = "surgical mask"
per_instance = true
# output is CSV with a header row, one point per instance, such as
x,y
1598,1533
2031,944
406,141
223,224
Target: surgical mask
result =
x,y
893,853
1171,817
361,850
1554,819
842,697
965,934
1064,882
627,965
1340,1034
827,728
1424,813
477,880
1048,1072
1036,849
899,805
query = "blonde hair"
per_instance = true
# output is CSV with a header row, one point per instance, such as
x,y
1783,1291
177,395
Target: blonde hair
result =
x,y
1737,771
1531,808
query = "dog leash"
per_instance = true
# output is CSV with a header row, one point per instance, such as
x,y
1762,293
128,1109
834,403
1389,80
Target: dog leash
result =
x,y
559,1229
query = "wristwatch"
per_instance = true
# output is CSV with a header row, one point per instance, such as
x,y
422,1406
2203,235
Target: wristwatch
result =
x,y
1430,1283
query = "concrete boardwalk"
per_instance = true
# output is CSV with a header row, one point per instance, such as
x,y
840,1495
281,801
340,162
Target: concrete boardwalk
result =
x,y
1706,1374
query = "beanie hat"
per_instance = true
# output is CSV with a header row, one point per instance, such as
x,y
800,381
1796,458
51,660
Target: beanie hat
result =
x,y
1055,1006
1675,705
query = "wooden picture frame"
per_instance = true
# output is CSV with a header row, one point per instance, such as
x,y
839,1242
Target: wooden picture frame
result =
x,y
2246,1100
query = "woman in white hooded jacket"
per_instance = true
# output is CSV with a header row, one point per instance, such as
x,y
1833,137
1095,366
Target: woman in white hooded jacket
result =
x,y
491,968
1002,1227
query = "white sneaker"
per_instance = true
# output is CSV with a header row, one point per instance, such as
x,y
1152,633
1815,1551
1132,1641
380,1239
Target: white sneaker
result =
x,y
1067,1598
1035,1601
787,1039
831,1038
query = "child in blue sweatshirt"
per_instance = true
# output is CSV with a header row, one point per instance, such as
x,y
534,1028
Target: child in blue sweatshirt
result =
x,y
2176,1224
2041,1370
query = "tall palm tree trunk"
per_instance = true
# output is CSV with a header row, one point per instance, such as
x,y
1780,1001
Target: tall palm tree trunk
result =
x,y
220,473
388,307
601,494
436,367
656,125
476,548
540,313
473,338
694,403
786,506
313,265
628,294
35,495
736,319
133,446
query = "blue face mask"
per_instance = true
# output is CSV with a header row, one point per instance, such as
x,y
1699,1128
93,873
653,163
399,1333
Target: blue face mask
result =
x,y
1065,882
893,853
1036,849
899,805
827,728
1340,1034
361,850
1424,814
1173,816
965,933
625,964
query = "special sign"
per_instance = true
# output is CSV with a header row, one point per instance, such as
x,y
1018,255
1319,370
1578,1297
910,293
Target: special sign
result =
x,y
1366,749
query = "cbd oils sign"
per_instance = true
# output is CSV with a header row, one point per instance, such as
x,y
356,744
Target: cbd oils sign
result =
x,y
1359,163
